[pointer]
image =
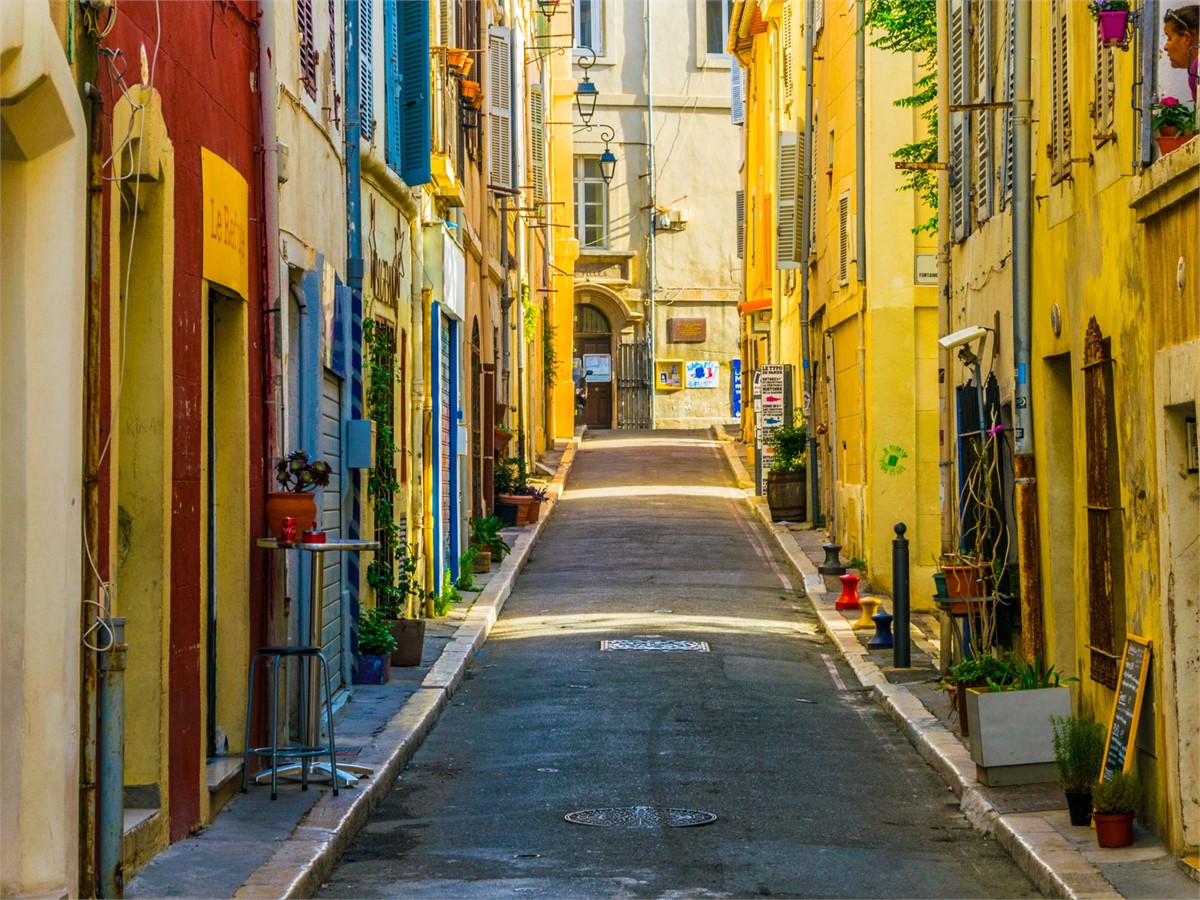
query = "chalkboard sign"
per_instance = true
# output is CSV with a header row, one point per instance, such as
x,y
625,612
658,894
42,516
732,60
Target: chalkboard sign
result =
x,y
1127,705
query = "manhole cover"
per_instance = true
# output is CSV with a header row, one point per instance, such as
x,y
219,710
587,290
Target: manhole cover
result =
x,y
641,817
661,646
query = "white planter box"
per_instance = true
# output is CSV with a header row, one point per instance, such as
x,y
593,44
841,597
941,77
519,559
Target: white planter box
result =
x,y
1012,741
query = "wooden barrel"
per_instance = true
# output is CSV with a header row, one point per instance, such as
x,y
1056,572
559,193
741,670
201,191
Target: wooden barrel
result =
x,y
785,496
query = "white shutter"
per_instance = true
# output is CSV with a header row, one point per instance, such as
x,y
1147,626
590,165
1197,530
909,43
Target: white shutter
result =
x,y
844,238
537,141
740,213
959,123
737,93
818,16
984,156
787,190
500,143
1010,93
1060,112
445,23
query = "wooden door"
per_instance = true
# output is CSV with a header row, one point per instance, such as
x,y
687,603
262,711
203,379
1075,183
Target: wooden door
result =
x,y
597,413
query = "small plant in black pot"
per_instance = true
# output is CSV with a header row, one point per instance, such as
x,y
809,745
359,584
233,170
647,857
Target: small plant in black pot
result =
x,y
1078,755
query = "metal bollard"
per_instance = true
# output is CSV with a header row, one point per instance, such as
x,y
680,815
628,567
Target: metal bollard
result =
x,y
900,646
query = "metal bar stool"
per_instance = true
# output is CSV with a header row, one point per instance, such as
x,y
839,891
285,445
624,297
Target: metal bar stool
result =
x,y
302,752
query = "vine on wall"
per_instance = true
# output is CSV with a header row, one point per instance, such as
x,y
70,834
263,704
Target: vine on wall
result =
x,y
910,26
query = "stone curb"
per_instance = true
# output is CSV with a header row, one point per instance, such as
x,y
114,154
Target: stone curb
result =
x,y
302,862
1047,858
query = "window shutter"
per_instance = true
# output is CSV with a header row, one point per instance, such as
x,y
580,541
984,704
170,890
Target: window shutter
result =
x,y
1010,94
1105,93
787,219
446,37
818,16
984,157
959,123
413,42
844,238
537,148
1060,112
740,216
787,41
500,143
308,46
391,52
737,93
366,66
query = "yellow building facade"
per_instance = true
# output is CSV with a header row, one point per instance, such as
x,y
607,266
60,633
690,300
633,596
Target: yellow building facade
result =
x,y
822,164
1109,456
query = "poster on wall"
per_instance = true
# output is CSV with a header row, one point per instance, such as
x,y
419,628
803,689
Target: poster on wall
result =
x,y
598,367
702,374
668,374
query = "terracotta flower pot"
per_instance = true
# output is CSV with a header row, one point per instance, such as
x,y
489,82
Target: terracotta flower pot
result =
x,y
1168,143
300,506
1113,829
468,89
522,503
963,581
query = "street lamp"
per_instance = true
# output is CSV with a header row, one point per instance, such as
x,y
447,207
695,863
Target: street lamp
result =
x,y
548,7
586,93
608,160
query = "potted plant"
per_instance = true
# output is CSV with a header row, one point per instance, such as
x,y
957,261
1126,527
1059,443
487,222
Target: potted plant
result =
x,y
974,671
537,496
399,601
502,434
375,646
466,570
295,478
1174,124
1012,741
1078,755
509,476
486,537
1113,18
785,474
468,90
1115,801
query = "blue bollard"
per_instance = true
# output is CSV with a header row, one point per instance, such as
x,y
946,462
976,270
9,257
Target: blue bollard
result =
x,y
882,639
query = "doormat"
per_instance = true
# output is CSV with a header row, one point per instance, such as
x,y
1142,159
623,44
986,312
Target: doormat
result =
x,y
659,646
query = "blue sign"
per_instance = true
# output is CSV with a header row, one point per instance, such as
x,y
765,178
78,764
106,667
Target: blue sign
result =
x,y
735,383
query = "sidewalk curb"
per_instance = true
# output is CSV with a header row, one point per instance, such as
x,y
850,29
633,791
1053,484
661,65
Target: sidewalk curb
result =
x,y
302,862
1047,858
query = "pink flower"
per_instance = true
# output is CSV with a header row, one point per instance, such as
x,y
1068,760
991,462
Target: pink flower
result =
x,y
1168,101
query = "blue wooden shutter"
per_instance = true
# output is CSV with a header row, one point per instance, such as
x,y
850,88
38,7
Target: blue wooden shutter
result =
x,y
391,49
366,65
415,130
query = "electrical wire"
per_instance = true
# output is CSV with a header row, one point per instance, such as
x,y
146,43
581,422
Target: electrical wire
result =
x,y
103,618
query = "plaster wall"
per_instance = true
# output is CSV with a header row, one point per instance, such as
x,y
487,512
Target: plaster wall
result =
x,y
42,253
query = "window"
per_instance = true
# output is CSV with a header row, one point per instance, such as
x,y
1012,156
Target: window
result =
x,y
716,20
591,203
589,25
308,47
960,123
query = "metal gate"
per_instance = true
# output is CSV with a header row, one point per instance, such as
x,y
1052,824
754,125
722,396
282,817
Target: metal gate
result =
x,y
634,383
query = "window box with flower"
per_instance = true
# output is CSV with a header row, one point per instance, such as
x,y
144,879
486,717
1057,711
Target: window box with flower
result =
x,y
1174,123
1112,17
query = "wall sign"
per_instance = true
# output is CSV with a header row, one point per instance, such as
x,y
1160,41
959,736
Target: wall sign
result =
x,y
226,205
702,374
598,367
926,269
1127,705
687,331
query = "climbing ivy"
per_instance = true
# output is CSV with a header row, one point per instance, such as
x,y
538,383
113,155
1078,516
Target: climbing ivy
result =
x,y
391,592
910,26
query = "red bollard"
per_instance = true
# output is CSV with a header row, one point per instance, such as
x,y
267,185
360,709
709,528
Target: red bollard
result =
x,y
849,598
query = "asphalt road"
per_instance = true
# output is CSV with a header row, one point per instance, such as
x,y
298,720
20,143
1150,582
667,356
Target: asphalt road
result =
x,y
815,792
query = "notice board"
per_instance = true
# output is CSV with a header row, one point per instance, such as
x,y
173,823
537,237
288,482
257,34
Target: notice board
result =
x,y
1127,705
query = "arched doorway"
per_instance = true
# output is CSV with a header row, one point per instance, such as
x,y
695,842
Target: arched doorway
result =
x,y
593,351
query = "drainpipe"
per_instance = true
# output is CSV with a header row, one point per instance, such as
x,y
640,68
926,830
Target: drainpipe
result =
x,y
352,386
416,399
814,480
860,239
91,498
945,421
1024,464
111,880
652,256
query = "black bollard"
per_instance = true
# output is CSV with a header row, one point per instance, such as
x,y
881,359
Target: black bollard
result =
x,y
900,647
832,564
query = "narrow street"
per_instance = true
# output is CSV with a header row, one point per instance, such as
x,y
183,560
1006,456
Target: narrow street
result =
x,y
814,790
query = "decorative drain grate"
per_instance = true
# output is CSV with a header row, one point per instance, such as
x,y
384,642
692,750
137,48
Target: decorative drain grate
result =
x,y
641,817
660,646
